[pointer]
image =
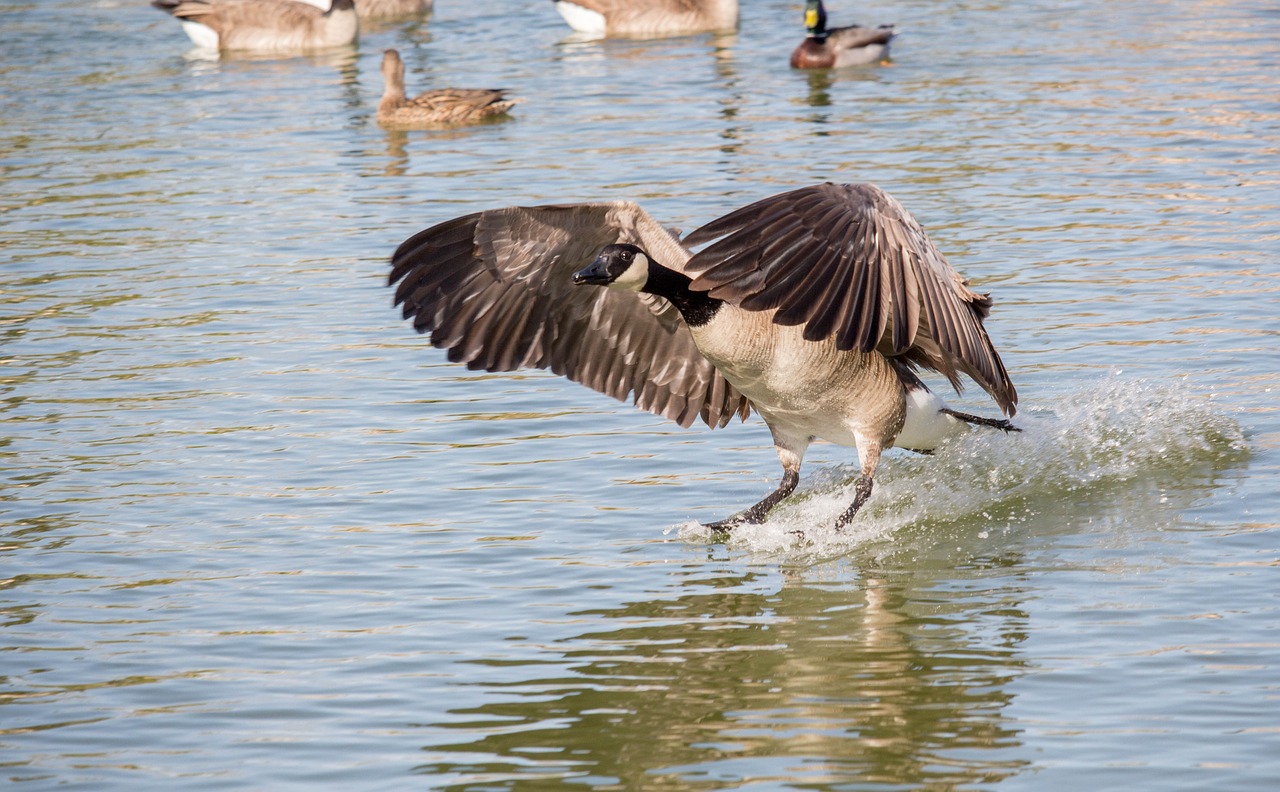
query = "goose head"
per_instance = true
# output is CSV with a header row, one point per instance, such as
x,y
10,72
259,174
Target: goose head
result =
x,y
620,266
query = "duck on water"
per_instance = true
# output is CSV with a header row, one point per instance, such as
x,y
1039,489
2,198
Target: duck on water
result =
x,y
814,308
435,108
834,48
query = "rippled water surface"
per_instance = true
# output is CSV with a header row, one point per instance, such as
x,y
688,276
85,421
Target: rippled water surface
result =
x,y
259,534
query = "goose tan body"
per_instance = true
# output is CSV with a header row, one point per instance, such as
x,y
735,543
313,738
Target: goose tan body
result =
x,y
391,9
813,308
805,390
641,18
440,107
267,26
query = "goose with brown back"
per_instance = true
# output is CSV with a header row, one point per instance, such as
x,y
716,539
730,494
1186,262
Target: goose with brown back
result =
x,y
266,26
648,18
392,9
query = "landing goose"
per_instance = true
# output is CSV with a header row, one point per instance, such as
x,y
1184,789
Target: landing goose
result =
x,y
278,26
814,308
853,45
648,17
441,107
389,9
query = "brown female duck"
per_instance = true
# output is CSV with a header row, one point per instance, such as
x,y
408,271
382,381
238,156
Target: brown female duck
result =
x,y
441,107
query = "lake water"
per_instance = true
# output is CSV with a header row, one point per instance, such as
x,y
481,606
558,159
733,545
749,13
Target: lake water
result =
x,y
257,534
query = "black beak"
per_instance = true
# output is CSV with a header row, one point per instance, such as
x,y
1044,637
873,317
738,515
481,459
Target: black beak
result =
x,y
596,274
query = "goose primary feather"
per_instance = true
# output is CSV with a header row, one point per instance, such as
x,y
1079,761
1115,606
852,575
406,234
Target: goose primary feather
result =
x,y
852,45
814,308
439,107
270,26
642,18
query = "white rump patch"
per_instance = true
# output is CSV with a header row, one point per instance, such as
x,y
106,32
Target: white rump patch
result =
x,y
202,36
925,426
583,20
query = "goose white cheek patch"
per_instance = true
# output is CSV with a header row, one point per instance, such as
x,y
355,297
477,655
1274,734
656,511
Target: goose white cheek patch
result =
x,y
635,276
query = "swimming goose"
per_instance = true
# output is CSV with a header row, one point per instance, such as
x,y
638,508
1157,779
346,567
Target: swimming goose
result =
x,y
814,308
648,17
387,9
844,46
265,25
443,106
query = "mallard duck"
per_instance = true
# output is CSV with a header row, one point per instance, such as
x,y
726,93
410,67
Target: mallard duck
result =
x,y
844,46
813,308
441,107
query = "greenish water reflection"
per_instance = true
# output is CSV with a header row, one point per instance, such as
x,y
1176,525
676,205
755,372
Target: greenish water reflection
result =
x,y
899,678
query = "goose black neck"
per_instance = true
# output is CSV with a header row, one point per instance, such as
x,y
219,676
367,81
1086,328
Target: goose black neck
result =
x,y
696,307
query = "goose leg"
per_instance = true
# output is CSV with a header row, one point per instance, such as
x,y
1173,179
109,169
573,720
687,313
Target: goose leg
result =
x,y
757,513
995,423
861,491
869,457
790,454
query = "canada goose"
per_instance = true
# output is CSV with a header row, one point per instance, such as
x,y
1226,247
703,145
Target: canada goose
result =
x,y
648,17
814,308
844,46
440,107
387,9
265,25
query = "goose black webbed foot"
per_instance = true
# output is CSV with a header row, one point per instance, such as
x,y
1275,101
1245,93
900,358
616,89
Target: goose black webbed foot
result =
x,y
757,513
753,516
724,526
861,491
1002,424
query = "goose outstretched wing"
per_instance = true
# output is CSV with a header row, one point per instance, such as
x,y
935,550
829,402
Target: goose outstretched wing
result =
x,y
495,289
848,262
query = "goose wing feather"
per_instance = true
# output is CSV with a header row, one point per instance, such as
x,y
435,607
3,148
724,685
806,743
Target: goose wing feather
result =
x,y
222,15
495,289
848,261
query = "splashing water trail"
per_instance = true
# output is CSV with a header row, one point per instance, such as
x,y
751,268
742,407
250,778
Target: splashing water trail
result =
x,y
1102,438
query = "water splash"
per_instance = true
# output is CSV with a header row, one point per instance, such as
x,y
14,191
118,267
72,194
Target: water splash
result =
x,y
1107,437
